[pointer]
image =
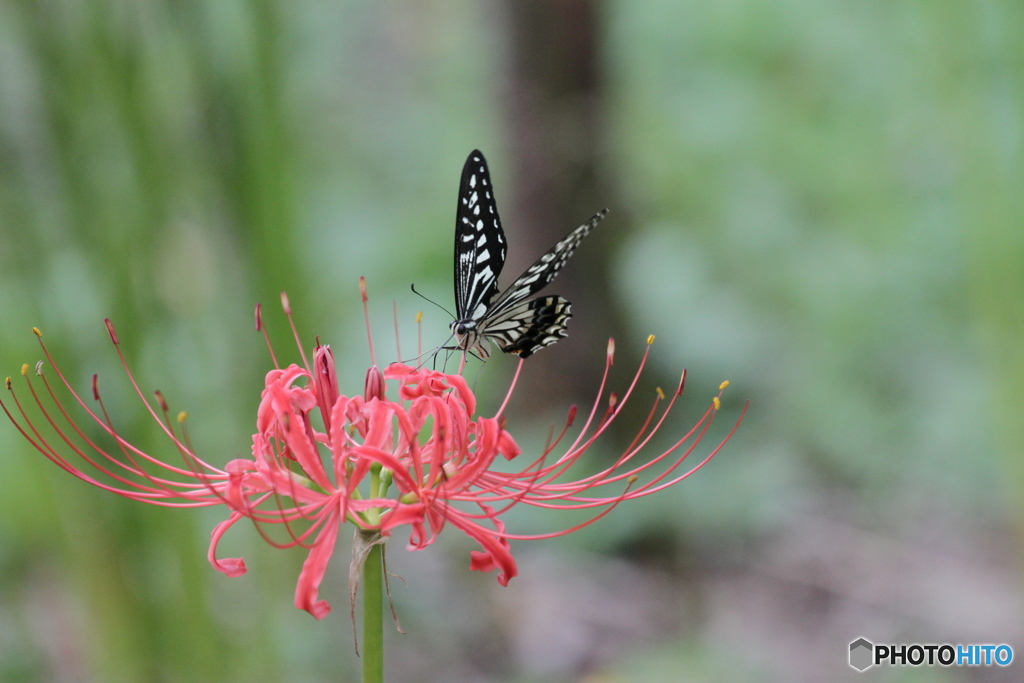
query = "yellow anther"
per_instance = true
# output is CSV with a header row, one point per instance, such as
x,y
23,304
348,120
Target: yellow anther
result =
x,y
650,339
8,382
632,480
717,401
723,385
182,416
419,317
36,331
661,394
24,370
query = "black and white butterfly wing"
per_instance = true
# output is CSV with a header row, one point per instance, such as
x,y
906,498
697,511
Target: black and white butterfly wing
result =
x,y
529,325
544,270
480,244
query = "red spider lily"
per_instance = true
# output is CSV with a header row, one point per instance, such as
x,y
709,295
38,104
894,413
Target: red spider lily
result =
x,y
320,459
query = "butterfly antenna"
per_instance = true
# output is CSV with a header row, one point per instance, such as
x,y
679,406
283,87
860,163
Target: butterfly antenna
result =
x,y
413,287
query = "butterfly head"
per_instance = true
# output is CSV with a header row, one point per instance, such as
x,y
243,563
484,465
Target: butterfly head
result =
x,y
467,334
460,328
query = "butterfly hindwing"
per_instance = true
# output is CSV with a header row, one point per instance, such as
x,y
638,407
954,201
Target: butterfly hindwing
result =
x,y
530,325
480,244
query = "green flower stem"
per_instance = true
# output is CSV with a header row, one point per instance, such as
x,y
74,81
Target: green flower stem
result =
x,y
373,616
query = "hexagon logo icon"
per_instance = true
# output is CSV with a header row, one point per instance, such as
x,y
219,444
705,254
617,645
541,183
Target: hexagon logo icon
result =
x,y
861,654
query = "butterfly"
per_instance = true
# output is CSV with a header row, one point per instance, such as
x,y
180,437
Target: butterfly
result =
x,y
516,323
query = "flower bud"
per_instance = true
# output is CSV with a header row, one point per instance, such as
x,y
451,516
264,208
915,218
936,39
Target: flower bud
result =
x,y
325,382
374,387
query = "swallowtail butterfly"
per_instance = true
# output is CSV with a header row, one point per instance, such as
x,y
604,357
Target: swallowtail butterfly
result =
x,y
511,319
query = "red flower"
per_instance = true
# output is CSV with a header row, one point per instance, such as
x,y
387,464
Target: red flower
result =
x,y
421,459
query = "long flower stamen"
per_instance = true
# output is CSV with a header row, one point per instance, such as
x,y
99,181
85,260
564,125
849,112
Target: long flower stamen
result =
x,y
366,317
266,337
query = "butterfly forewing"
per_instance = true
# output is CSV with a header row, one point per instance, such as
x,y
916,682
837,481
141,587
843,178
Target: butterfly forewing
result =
x,y
480,244
544,270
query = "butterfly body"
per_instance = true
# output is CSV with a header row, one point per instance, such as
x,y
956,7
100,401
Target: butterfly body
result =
x,y
516,323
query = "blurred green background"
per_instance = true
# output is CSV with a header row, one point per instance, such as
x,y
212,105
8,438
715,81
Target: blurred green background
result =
x,y
820,201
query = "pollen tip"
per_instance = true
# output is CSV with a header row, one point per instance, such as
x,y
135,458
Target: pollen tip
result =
x,y
650,339
182,416
723,385
161,400
36,331
682,383
259,317
419,317
611,348
661,394
24,369
39,369
633,479
110,331
8,382
285,304
95,387
362,288
717,401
